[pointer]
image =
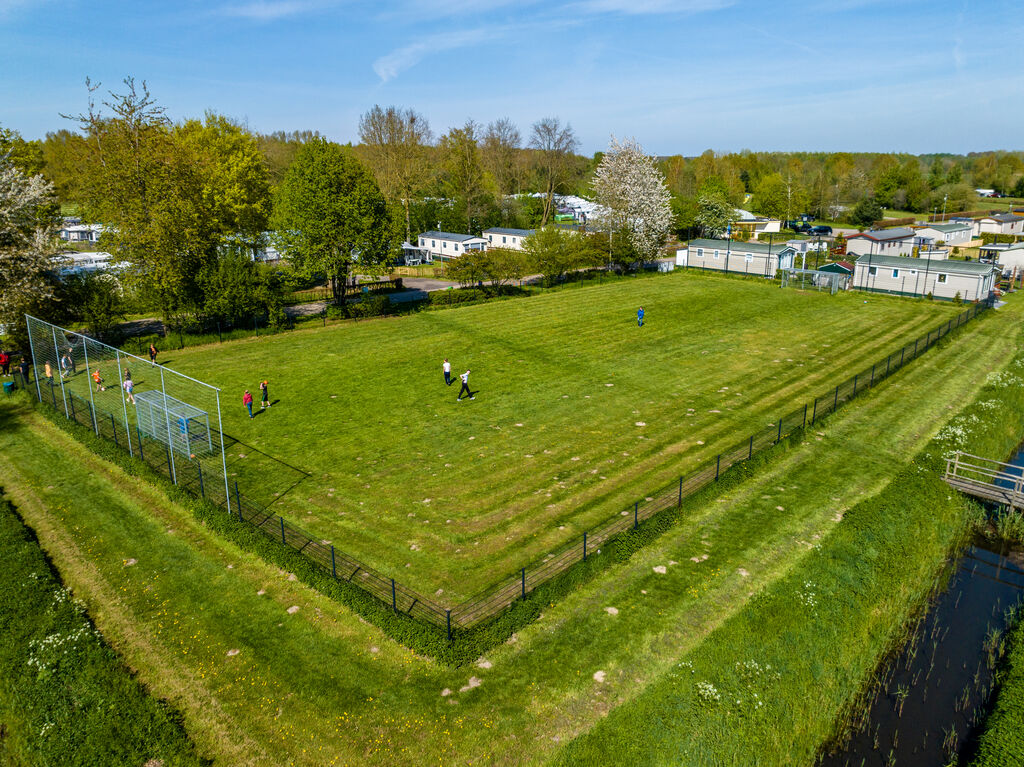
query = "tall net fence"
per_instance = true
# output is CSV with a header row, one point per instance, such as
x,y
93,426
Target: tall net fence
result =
x,y
68,364
165,418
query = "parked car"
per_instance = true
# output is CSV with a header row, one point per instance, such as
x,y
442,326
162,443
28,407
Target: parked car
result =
x,y
822,230
798,226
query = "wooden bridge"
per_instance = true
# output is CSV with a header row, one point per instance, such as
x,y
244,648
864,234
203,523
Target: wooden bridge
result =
x,y
987,479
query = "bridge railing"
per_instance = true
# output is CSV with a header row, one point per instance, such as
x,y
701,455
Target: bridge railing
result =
x,y
965,467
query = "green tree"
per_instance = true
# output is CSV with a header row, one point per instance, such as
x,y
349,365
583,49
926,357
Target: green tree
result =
x,y
94,298
234,176
555,252
329,214
148,189
771,198
713,215
555,146
237,290
866,212
463,173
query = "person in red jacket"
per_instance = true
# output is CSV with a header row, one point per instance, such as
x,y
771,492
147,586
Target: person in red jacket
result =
x,y
5,362
247,401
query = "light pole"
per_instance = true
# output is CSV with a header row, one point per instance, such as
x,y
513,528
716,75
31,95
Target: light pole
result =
x,y
944,198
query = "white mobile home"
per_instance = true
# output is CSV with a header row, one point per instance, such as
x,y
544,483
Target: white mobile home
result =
x,y
1009,256
952,234
444,246
498,237
921,276
733,256
883,242
999,223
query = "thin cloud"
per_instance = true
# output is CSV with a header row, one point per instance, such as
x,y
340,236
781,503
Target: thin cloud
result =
x,y
389,66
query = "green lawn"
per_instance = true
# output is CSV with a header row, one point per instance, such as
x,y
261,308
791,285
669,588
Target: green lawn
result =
x,y
317,686
578,412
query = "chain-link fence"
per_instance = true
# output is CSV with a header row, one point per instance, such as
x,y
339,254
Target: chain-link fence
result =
x,y
67,366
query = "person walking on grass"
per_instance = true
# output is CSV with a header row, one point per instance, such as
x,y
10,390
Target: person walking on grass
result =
x,y
640,317
264,394
65,364
465,387
23,369
99,380
247,401
129,387
446,368
152,354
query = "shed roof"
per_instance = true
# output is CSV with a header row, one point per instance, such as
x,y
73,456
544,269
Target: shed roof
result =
x,y
1002,218
972,268
839,267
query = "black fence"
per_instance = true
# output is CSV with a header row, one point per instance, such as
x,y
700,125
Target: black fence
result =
x,y
486,605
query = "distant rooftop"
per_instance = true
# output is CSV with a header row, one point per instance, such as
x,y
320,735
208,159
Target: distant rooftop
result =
x,y
739,248
938,265
514,232
885,235
450,236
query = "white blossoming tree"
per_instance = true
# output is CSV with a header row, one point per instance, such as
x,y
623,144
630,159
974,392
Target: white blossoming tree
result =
x,y
27,226
633,194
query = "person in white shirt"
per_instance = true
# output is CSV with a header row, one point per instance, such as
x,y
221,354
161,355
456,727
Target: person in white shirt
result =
x,y
447,368
465,387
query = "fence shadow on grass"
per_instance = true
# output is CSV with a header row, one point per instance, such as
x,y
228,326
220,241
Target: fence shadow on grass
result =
x,y
494,600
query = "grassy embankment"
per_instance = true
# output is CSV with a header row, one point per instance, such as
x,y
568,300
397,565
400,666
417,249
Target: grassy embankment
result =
x,y
578,412
66,698
1001,742
315,685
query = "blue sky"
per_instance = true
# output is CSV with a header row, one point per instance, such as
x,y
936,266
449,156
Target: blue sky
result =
x,y
681,76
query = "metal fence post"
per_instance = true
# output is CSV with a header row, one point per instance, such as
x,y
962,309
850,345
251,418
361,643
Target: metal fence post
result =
x,y
124,404
224,460
32,351
167,421
887,361
855,384
915,344
63,394
282,529
804,424
872,377
238,501
636,514
112,425
170,471
584,547
334,568
138,434
679,505
902,352
88,383
523,573
71,401
394,594
835,403
718,465
778,439
448,617
199,470
750,451
53,396
814,412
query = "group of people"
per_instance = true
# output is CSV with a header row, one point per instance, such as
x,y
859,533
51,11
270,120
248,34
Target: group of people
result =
x,y
5,366
446,368
264,397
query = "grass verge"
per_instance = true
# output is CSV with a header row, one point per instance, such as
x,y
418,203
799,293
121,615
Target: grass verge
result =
x,y
66,698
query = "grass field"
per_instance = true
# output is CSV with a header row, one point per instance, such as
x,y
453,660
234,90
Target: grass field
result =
x,y
316,686
578,412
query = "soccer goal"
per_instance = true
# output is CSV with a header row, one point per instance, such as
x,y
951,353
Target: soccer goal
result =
x,y
181,426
